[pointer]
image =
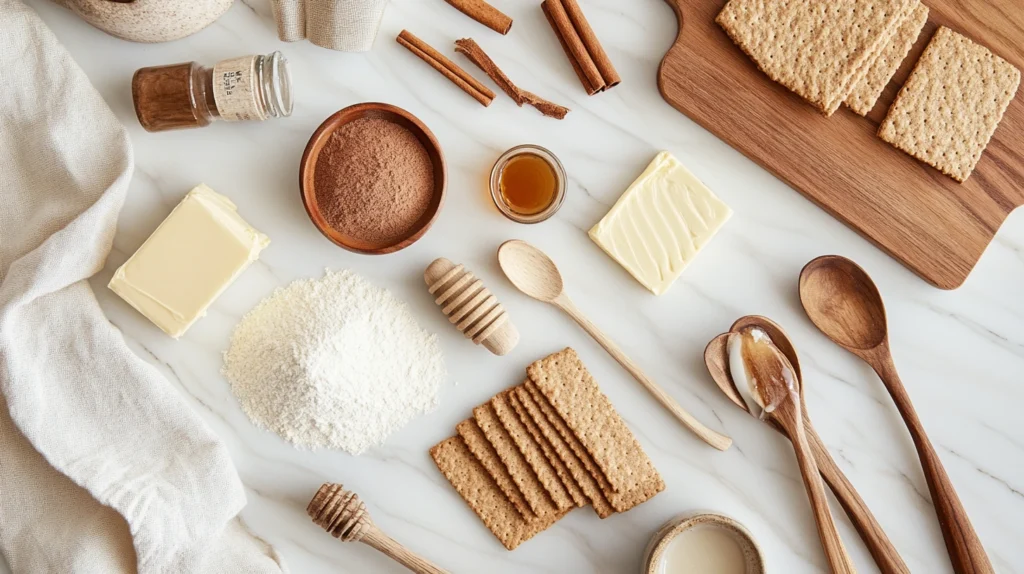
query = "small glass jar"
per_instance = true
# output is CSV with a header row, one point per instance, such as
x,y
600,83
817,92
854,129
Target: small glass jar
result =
x,y
521,204
190,95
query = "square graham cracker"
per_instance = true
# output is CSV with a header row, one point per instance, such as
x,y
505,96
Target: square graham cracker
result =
x,y
537,497
952,103
819,50
568,481
864,95
532,452
471,480
576,398
576,467
488,457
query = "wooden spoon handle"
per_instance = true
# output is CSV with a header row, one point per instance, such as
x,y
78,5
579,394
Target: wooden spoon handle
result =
x,y
838,559
881,549
717,440
388,546
962,543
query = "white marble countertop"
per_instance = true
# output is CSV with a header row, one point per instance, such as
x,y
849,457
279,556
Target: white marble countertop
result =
x,y
961,353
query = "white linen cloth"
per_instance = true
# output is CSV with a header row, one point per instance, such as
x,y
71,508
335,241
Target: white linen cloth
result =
x,y
103,467
345,25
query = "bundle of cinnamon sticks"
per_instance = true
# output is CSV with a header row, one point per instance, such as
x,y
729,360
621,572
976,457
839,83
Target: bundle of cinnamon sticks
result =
x,y
588,58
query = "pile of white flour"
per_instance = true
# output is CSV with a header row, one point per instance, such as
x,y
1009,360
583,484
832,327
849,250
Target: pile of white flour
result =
x,y
333,363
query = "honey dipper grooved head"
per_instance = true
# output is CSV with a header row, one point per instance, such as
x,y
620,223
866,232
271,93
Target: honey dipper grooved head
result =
x,y
470,306
340,512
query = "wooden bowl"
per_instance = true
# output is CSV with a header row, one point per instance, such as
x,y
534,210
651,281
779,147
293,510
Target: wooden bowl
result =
x,y
307,171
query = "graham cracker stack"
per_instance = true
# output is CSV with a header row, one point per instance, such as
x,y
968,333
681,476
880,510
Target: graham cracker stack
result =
x,y
536,451
952,103
819,50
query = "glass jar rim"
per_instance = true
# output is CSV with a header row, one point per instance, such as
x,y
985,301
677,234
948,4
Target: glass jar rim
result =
x,y
560,183
275,82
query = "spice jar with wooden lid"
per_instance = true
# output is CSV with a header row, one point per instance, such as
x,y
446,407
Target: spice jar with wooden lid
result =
x,y
189,95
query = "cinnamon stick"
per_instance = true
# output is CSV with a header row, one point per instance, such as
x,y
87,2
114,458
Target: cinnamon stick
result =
x,y
573,46
476,54
581,45
448,68
597,53
565,48
484,13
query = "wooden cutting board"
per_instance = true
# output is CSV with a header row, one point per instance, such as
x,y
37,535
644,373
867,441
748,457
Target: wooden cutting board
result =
x,y
929,222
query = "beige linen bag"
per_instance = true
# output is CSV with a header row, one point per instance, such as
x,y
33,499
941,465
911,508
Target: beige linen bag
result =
x,y
345,25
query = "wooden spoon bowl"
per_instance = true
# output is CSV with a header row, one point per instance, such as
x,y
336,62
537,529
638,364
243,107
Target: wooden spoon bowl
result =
x,y
842,301
307,176
716,356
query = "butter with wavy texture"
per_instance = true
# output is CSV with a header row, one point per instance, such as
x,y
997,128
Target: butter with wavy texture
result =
x,y
660,223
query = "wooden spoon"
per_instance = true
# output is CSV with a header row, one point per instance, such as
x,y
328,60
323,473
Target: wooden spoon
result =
x,y
536,275
843,302
716,359
774,385
343,515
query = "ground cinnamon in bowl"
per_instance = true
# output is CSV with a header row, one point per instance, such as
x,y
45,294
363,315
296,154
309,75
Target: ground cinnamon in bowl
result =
x,y
373,178
374,181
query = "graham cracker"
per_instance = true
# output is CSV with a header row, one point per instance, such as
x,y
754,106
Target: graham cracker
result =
x,y
886,61
819,50
471,480
576,467
532,452
952,103
591,418
537,497
489,459
570,484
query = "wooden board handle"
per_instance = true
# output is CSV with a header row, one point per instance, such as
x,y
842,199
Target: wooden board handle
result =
x,y
886,557
962,543
717,440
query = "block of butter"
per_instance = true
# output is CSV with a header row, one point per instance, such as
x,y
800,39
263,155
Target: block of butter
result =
x,y
189,260
660,223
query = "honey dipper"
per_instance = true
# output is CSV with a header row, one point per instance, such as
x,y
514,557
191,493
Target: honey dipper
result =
x,y
470,306
343,515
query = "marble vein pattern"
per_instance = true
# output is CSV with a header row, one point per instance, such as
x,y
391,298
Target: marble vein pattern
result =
x,y
961,353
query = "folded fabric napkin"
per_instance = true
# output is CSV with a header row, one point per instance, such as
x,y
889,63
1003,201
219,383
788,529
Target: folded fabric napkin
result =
x,y
103,466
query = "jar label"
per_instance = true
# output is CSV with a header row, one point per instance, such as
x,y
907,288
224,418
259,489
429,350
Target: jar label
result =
x,y
235,90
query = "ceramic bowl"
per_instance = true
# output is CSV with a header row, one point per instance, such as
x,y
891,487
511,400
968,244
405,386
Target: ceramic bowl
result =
x,y
307,171
661,540
149,20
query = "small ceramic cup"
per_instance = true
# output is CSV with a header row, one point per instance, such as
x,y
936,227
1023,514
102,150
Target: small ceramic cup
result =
x,y
658,550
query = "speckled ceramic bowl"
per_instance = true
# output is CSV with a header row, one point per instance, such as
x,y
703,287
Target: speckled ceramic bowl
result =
x,y
149,20
667,534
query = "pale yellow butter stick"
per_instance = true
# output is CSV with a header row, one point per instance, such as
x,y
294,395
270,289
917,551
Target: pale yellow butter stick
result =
x,y
191,258
660,223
